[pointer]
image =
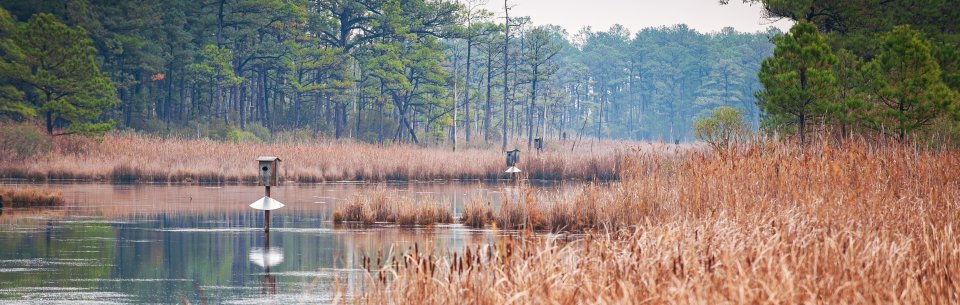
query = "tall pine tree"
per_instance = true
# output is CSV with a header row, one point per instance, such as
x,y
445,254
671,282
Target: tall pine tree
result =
x,y
798,80
54,64
906,83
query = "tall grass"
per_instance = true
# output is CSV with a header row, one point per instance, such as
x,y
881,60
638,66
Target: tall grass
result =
x,y
770,223
125,157
370,207
476,213
29,198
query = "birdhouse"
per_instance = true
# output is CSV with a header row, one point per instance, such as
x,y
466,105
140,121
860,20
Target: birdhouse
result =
x,y
269,168
513,157
538,143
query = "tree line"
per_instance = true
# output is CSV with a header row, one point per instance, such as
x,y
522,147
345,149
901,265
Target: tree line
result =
x,y
416,71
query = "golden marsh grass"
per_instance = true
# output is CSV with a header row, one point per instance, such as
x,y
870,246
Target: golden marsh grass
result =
x,y
126,157
770,223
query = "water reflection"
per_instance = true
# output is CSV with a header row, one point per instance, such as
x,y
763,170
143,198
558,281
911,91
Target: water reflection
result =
x,y
267,257
152,244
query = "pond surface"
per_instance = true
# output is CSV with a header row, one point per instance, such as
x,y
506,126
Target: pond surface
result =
x,y
145,244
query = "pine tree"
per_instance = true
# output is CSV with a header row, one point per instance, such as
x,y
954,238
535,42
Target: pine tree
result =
x,y
906,82
11,98
798,80
55,64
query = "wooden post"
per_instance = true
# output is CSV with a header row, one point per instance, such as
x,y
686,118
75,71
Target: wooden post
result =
x,y
266,215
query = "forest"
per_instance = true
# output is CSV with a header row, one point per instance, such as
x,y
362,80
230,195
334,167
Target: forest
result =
x,y
411,71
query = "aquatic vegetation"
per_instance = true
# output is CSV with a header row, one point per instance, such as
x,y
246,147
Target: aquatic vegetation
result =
x,y
768,223
29,198
375,206
337,217
358,210
476,213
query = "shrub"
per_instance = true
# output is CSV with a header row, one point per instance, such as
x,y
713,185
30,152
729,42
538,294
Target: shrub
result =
x,y
240,136
724,127
259,131
24,141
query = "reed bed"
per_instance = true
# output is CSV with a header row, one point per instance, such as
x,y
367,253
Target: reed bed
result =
x,y
376,207
770,223
125,157
476,213
29,198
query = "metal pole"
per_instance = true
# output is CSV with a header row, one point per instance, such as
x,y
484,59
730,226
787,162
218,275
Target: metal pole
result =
x,y
266,214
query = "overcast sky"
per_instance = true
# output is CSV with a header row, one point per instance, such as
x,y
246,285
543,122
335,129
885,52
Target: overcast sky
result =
x,y
703,15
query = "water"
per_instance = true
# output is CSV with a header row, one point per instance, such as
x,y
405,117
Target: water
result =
x,y
143,244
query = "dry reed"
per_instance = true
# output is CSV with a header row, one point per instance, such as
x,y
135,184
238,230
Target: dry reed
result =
x,y
125,157
851,224
29,198
476,213
370,207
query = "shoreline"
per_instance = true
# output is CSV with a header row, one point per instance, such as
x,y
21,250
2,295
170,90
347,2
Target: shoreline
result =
x,y
537,182
132,158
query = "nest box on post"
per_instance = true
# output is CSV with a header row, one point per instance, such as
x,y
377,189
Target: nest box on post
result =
x,y
513,157
269,170
538,144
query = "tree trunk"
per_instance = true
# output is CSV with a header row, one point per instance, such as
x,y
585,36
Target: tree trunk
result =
x,y
455,95
488,108
533,103
466,89
506,65
49,120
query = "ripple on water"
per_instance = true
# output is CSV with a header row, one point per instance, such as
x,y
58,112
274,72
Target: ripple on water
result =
x,y
62,295
22,270
209,230
35,263
323,273
128,280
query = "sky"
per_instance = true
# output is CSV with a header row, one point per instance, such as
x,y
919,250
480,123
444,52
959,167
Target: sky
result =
x,y
703,15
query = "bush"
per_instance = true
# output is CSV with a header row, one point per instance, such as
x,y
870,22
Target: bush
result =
x,y
240,136
724,127
24,141
258,130
217,130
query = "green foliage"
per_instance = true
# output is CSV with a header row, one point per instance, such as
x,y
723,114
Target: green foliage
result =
x,y
55,64
799,81
723,128
849,110
346,68
899,68
259,131
240,136
23,141
906,84
217,64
